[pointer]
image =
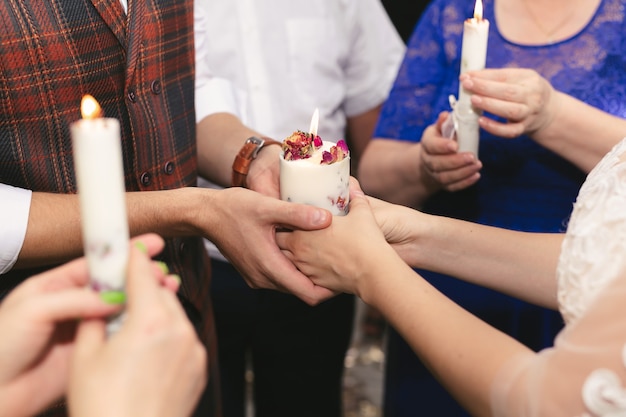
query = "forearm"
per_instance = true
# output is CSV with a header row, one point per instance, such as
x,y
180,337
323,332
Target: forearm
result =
x,y
519,264
390,170
220,136
580,133
359,133
54,235
463,352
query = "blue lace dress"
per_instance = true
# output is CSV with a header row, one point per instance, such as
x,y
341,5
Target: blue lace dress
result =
x,y
523,186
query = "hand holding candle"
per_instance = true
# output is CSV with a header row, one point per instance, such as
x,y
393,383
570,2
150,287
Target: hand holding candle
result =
x,y
315,172
473,57
101,191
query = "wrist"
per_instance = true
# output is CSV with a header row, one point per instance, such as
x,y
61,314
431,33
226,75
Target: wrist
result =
x,y
246,155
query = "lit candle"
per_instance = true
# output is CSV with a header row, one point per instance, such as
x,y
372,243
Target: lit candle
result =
x,y
315,121
101,191
315,172
473,57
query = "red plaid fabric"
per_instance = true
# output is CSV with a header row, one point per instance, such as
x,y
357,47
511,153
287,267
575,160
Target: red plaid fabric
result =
x,y
141,71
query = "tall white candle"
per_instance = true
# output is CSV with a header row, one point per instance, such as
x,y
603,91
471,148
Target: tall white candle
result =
x,y
473,57
100,181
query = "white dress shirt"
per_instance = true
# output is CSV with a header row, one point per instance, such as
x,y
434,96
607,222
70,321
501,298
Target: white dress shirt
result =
x,y
291,56
212,95
287,57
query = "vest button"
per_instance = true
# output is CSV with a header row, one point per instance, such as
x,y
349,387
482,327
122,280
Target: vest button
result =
x,y
168,168
132,96
146,179
155,87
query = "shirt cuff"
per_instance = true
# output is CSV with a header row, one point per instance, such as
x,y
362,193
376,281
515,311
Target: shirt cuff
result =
x,y
14,212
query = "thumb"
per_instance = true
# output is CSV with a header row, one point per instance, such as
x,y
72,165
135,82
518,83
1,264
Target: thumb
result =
x,y
90,336
357,196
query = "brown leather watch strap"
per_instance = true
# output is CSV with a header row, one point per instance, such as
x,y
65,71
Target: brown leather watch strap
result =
x,y
247,153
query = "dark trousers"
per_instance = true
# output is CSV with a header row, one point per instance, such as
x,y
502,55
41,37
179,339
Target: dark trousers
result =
x,y
297,351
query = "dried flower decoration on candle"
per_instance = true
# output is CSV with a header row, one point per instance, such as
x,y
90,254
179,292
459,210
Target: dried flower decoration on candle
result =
x,y
336,153
300,145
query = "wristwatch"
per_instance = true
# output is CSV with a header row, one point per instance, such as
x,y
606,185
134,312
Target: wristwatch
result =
x,y
247,153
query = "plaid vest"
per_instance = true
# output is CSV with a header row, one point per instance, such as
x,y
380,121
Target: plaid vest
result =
x,y
141,71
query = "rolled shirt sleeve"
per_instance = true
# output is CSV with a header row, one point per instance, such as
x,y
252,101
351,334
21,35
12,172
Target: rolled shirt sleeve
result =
x,y
212,94
14,212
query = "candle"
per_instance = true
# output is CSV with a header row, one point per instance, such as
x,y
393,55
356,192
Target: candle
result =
x,y
100,181
315,121
473,57
315,172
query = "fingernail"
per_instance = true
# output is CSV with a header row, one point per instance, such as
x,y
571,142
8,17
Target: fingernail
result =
x,y
467,83
163,267
320,217
176,278
113,297
141,246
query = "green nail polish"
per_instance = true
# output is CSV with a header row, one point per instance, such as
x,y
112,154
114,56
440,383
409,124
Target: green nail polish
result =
x,y
163,267
141,246
176,278
113,297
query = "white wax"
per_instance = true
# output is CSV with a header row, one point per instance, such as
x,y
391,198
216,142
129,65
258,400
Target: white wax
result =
x,y
101,191
473,57
306,181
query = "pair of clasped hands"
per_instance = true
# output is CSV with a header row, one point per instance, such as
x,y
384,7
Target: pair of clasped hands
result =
x,y
54,344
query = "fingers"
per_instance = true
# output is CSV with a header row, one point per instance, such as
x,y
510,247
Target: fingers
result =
x,y
302,216
150,243
141,286
72,304
90,337
289,279
447,167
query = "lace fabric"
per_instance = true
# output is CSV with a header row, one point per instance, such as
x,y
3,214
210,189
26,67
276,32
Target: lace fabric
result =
x,y
523,185
584,373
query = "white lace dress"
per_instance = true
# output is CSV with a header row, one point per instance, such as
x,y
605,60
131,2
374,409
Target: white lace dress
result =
x,y
584,374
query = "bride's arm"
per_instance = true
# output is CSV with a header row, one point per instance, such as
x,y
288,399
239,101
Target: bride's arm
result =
x,y
520,264
351,255
490,373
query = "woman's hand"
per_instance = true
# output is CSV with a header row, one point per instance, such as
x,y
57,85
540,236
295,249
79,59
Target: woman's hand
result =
x,y
345,255
153,366
38,322
522,97
441,165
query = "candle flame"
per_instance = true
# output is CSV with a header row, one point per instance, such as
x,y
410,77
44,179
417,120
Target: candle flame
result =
x,y
478,10
315,120
89,108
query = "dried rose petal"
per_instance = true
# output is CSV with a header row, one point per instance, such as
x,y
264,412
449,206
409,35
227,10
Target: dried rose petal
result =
x,y
300,145
336,153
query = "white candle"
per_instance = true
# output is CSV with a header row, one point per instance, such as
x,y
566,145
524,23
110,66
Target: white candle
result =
x,y
308,181
100,181
473,57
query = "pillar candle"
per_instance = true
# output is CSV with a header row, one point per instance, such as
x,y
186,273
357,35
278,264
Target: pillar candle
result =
x,y
99,169
473,57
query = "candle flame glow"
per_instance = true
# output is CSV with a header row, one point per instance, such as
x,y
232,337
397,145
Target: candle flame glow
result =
x,y
478,10
89,108
315,120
